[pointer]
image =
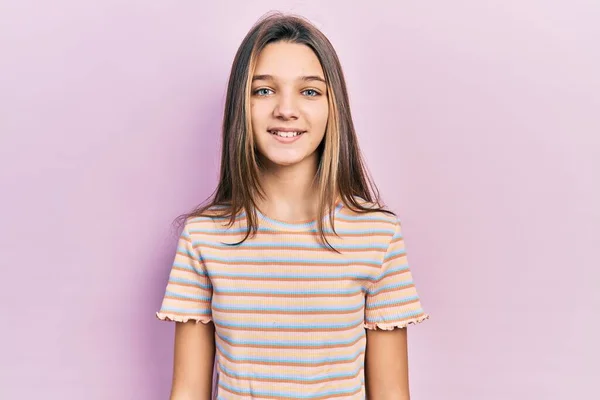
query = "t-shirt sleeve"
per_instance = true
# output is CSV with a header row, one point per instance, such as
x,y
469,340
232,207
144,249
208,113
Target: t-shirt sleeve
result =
x,y
188,293
392,300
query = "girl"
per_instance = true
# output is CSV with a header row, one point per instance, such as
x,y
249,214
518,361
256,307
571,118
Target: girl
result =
x,y
293,278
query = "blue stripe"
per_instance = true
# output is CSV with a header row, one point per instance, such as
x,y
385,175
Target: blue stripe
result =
x,y
287,245
277,260
343,217
189,268
288,292
364,218
285,395
175,279
258,309
267,229
229,230
187,296
395,317
293,378
274,325
392,302
214,275
393,254
294,343
215,218
393,271
191,311
286,224
296,225
289,360
184,266
393,286
186,251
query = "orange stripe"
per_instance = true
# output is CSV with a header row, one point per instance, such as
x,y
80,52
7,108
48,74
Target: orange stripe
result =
x,y
392,274
344,221
186,314
254,396
268,380
333,312
189,285
394,289
221,355
265,295
280,329
272,346
184,269
186,255
397,256
323,264
190,300
394,305
283,279
294,233
281,248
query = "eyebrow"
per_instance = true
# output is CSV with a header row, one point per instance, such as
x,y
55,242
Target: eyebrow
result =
x,y
302,78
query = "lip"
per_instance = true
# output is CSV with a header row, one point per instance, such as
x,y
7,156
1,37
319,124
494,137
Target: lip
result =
x,y
283,139
281,129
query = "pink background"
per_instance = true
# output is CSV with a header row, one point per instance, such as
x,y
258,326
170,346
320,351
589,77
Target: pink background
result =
x,y
480,122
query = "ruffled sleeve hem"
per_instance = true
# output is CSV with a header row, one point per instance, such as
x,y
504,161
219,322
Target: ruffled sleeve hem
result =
x,y
388,326
181,318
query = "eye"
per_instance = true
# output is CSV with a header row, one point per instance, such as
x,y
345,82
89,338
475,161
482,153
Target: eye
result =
x,y
262,91
311,92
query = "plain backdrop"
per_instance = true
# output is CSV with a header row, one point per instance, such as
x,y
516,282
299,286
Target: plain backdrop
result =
x,y
479,120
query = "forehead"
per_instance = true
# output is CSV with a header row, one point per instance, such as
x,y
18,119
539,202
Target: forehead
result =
x,y
288,61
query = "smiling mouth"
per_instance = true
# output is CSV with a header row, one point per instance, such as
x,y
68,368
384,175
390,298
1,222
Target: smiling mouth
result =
x,y
286,134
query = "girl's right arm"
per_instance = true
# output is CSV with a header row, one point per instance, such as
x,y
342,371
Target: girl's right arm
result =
x,y
193,361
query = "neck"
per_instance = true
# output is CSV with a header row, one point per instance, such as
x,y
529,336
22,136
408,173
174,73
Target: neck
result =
x,y
290,191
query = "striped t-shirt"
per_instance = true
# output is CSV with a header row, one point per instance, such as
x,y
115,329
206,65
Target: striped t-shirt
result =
x,y
289,314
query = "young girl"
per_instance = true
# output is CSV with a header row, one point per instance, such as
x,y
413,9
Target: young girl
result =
x,y
293,279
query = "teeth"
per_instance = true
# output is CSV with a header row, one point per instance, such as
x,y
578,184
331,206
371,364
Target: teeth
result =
x,y
286,134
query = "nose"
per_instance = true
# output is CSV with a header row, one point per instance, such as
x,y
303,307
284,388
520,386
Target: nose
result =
x,y
286,107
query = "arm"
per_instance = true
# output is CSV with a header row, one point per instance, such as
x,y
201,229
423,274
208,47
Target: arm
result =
x,y
386,367
193,361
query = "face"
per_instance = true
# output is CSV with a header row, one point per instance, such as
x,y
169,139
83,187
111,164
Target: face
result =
x,y
289,107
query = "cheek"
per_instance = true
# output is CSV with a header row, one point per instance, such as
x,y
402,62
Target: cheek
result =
x,y
258,111
320,115
255,122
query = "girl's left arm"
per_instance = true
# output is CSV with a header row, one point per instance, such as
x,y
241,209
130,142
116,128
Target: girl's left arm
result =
x,y
386,365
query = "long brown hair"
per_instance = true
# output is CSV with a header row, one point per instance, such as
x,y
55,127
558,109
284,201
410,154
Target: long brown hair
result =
x,y
341,173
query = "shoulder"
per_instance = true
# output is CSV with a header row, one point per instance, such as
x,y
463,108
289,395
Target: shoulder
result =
x,y
372,220
368,212
213,220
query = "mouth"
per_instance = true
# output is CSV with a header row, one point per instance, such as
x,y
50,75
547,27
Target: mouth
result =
x,y
287,134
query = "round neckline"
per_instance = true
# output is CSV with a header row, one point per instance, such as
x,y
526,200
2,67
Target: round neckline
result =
x,y
296,225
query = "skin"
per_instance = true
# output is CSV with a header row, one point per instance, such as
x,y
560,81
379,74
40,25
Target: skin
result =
x,y
283,96
193,361
288,90
386,365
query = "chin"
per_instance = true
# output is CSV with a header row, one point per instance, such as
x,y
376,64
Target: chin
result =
x,y
284,161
